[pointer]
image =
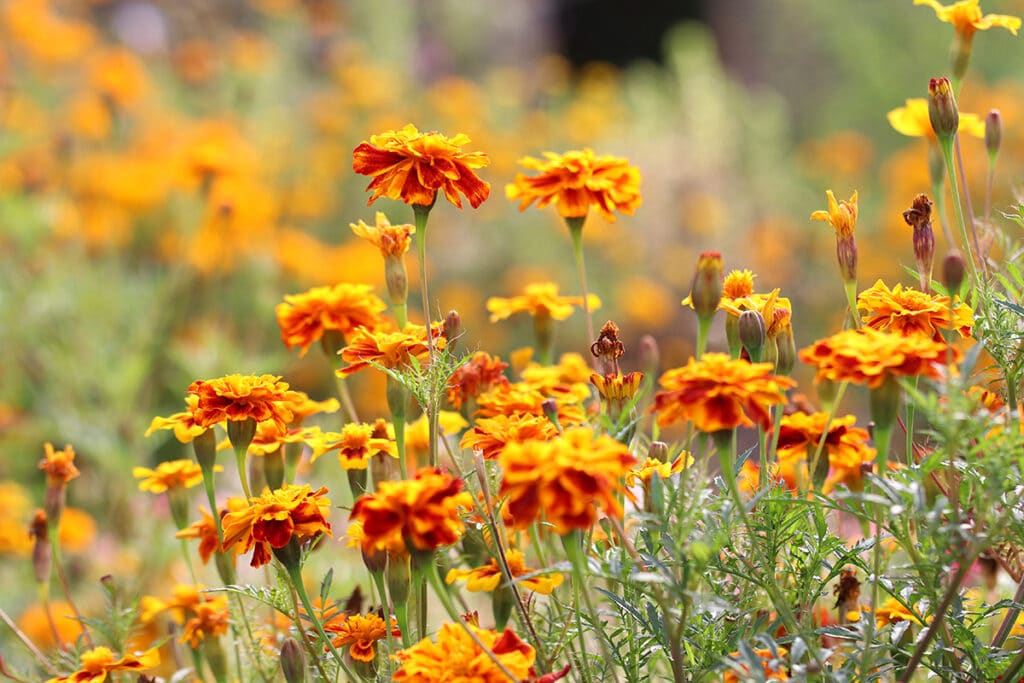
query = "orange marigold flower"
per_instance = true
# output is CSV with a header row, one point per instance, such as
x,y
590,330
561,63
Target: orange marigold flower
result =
x,y
488,577
274,518
392,350
566,478
738,284
841,215
541,300
456,657
183,424
913,121
643,472
240,397
185,598
424,512
717,393
360,631
867,356
171,474
520,398
846,448
892,611
58,465
482,372
771,662
966,17
909,311
306,318
205,529
355,444
577,180
100,661
491,434
412,166
209,619
392,240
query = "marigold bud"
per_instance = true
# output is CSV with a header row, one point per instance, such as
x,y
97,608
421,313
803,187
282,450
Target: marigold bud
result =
x,y
293,664
650,356
399,578
502,601
993,132
785,346
918,216
41,553
953,269
396,277
942,109
452,328
706,292
753,333
658,450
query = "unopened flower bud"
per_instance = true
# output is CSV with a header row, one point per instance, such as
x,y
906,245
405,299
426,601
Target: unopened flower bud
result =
x,y
502,601
993,132
753,333
706,292
785,346
216,658
452,328
550,408
396,277
399,578
658,450
953,269
650,356
918,216
942,109
41,553
293,663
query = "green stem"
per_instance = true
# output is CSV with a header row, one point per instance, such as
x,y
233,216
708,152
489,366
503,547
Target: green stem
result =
x,y
703,329
188,560
401,314
420,215
573,547
820,448
940,210
967,204
850,287
346,399
295,576
947,154
240,453
911,409
576,231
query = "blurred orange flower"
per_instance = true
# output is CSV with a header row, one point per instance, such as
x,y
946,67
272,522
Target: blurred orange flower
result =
x,y
424,512
209,619
170,475
392,240
482,372
59,466
966,17
456,654
355,445
360,631
717,393
274,518
892,611
565,478
240,397
489,577
100,661
540,299
774,669
909,311
912,120
305,318
412,166
577,180
490,435
867,356
205,529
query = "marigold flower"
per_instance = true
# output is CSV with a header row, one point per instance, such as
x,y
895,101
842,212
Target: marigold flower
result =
x,y
424,512
892,611
394,350
845,450
577,180
541,300
738,284
909,312
643,472
240,397
59,466
717,393
274,518
489,577
912,120
185,598
842,216
867,356
520,398
392,240
966,17
355,444
618,387
360,631
482,372
210,618
171,474
566,478
100,661
183,424
456,657
412,166
205,529
490,435
305,318
771,662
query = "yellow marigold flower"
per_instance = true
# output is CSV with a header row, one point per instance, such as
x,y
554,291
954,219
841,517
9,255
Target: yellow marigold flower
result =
x,y
185,598
98,662
892,611
966,17
541,300
183,424
643,472
717,393
488,577
240,397
424,512
355,444
520,398
848,465
768,305
617,387
210,619
577,180
566,478
561,379
772,663
456,657
913,121
170,475
302,406
59,466
392,240
738,284
867,356
841,215
394,350
909,311
412,166
482,372
360,631
306,318
274,518
491,434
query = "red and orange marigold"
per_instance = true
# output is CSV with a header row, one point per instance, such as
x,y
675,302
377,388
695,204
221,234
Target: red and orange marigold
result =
x,y
868,356
274,518
456,657
238,398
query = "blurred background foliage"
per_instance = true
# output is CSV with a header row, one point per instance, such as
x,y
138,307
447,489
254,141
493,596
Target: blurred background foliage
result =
x,y
170,170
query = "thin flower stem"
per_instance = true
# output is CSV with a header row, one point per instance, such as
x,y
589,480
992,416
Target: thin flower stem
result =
x,y
703,329
310,646
576,231
820,448
295,576
967,204
911,409
188,560
938,191
947,154
240,453
850,287
58,563
581,660
44,597
420,215
346,399
29,645
988,188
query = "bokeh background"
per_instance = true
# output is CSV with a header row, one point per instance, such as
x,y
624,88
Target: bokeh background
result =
x,y
170,170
